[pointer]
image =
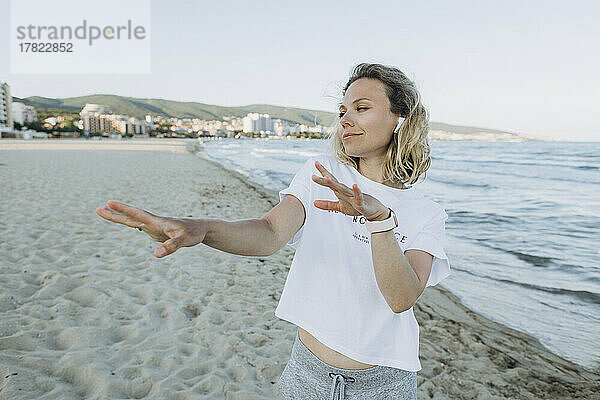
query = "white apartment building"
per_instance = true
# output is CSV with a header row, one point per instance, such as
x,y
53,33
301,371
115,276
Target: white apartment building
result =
x,y
248,122
255,122
90,116
6,117
96,119
23,113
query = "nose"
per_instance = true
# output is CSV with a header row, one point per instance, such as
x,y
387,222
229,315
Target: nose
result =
x,y
346,120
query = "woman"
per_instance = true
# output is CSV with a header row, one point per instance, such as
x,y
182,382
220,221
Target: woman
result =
x,y
367,244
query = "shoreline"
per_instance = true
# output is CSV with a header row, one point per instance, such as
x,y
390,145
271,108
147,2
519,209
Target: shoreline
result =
x,y
463,354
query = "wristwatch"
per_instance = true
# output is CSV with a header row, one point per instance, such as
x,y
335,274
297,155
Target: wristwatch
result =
x,y
382,226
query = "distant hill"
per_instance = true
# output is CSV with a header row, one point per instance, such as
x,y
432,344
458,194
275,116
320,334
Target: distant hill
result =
x,y
139,108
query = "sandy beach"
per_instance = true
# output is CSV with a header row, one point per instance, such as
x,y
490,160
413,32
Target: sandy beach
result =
x,y
87,311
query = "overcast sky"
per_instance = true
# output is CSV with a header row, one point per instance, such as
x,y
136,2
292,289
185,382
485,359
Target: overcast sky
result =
x,y
523,66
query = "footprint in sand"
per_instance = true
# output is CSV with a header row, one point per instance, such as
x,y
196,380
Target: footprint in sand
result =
x,y
4,377
192,310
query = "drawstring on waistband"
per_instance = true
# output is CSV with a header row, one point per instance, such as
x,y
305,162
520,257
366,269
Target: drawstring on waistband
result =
x,y
342,380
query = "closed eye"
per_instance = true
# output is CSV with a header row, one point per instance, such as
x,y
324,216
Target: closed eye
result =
x,y
341,114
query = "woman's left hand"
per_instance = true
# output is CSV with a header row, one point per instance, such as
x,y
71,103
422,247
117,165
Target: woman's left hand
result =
x,y
351,201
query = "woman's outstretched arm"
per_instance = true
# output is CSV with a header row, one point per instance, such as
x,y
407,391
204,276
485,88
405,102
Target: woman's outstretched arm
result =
x,y
257,237
251,237
248,237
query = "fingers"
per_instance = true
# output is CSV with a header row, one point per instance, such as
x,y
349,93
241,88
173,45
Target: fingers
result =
x,y
335,205
358,195
168,247
330,181
123,214
324,172
333,184
113,216
327,205
127,210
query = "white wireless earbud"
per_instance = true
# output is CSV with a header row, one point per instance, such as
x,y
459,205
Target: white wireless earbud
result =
x,y
397,128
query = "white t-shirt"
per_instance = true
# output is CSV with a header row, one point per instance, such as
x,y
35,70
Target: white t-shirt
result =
x,y
331,290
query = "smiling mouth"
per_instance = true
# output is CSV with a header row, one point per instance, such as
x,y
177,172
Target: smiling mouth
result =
x,y
353,135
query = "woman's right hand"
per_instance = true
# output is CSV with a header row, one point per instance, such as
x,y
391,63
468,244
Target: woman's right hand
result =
x,y
173,233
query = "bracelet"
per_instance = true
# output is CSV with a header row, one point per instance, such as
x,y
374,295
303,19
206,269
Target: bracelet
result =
x,y
382,226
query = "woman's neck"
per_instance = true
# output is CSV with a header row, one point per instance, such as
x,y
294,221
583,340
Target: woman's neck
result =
x,y
373,169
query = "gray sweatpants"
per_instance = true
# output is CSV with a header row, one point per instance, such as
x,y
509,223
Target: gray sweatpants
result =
x,y
306,377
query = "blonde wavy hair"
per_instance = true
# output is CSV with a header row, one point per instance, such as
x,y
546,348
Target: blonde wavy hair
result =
x,y
408,153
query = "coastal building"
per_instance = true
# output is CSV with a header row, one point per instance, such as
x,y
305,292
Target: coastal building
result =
x,y
255,122
6,117
23,114
90,116
234,123
249,122
97,119
137,127
282,128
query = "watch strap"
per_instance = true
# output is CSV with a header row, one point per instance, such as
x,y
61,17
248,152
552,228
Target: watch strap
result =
x,y
382,226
